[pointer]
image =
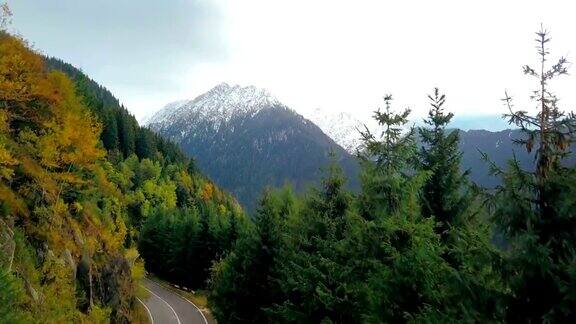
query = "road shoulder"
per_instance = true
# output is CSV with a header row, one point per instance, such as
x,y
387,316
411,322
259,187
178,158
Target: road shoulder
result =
x,y
198,300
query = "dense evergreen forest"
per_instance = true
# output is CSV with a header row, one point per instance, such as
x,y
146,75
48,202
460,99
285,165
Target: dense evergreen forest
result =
x,y
89,200
418,242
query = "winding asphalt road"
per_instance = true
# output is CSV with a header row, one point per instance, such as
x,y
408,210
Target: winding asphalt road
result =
x,y
165,306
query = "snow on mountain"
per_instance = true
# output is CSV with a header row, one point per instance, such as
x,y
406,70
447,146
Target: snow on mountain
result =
x,y
245,140
224,102
217,107
342,127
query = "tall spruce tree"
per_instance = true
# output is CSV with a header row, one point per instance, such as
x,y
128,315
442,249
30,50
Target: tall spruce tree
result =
x,y
316,271
110,130
445,194
476,289
398,251
244,284
386,159
536,208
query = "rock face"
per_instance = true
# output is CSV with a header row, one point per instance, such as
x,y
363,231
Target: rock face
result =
x,y
245,139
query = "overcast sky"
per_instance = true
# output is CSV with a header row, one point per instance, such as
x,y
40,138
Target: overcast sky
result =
x,y
337,55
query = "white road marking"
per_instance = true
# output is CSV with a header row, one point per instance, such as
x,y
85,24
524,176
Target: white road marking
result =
x,y
186,299
147,309
173,311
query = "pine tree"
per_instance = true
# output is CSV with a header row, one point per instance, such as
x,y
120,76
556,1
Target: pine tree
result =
x,y
126,131
244,284
110,131
536,209
398,250
448,198
144,144
445,195
316,272
386,161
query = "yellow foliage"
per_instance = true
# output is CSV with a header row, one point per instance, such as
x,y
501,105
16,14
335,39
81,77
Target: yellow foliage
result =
x,y
207,191
11,200
136,264
222,209
20,72
97,315
104,185
73,134
51,138
186,180
58,303
7,161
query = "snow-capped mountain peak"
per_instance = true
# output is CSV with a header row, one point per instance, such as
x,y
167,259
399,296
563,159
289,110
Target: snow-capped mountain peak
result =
x,y
245,139
215,107
342,127
236,98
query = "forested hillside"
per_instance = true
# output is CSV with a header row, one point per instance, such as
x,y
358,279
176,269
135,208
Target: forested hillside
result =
x,y
82,190
121,135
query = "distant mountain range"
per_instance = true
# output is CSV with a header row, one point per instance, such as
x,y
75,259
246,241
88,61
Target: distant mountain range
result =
x,y
245,140
498,145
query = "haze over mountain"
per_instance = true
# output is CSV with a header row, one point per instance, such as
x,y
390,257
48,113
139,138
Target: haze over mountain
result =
x,y
245,140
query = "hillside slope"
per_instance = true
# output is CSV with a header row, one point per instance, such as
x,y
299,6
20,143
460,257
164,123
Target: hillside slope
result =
x,y
245,140
84,192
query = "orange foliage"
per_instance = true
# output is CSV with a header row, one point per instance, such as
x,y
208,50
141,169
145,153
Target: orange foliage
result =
x,y
207,191
20,71
51,137
53,177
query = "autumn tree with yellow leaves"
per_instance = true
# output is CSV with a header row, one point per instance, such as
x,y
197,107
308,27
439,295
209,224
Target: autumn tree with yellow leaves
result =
x,y
55,194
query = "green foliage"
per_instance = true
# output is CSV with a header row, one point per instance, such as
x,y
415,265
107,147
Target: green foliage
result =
x,y
121,133
535,209
315,271
447,197
386,161
406,272
180,241
69,217
243,284
446,194
12,300
332,257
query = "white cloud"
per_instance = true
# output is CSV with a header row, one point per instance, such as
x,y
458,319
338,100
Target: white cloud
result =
x,y
345,55
341,55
